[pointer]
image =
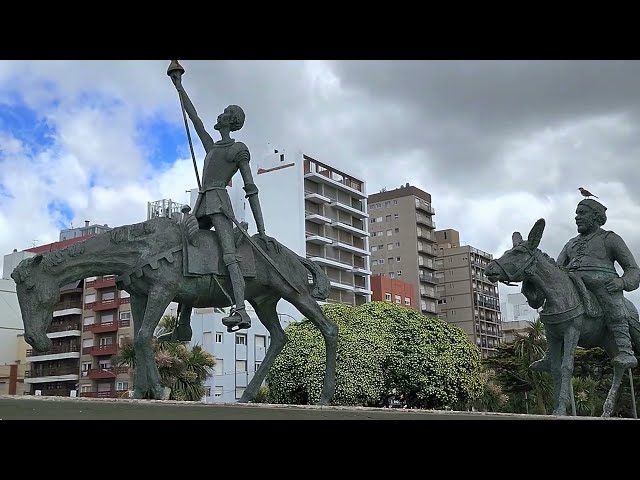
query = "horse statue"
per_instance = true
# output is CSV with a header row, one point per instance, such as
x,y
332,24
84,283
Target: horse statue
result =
x,y
568,315
151,262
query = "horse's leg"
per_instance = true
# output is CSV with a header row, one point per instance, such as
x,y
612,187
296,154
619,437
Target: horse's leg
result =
x,y
267,314
571,337
555,360
618,373
157,301
140,385
311,310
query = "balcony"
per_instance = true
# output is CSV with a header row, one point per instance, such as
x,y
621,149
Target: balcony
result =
x,y
341,183
350,248
67,305
316,198
103,327
100,373
362,290
361,271
55,350
105,282
349,209
429,209
317,218
358,232
332,263
421,219
100,350
425,235
317,238
423,277
348,287
105,305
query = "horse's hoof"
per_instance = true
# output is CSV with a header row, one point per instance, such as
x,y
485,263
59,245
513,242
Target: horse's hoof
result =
x,y
137,393
163,393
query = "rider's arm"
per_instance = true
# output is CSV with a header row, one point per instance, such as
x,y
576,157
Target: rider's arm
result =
x,y
563,258
205,138
251,189
625,259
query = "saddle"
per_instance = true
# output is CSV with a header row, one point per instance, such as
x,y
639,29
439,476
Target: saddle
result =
x,y
202,255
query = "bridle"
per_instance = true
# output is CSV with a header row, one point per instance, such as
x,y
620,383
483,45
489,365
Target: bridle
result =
x,y
510,278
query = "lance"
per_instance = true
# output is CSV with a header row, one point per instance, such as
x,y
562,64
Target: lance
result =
x,y
173,67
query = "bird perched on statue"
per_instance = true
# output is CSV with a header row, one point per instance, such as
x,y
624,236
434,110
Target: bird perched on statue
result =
x,y
586,193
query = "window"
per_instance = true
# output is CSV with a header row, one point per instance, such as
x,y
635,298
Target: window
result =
x,y
374,263
390,246
206,338
390,259
395,202
241,339
392,274
122,386
397,244
125,315
398,299
207,392
108,296
218,368
387,297
407,301
85,388
374,248
86,366
399,273
396,216
397,259
387,218
217,392
239,392
219,337
257,366
387,203
89,320
389,232
261,341
241,366
121,339
396,230
90,298
381,261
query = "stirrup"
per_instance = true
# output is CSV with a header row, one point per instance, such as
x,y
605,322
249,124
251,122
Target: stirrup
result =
x,y
236,320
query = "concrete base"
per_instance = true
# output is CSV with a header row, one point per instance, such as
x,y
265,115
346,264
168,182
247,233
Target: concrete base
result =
x,y
65,408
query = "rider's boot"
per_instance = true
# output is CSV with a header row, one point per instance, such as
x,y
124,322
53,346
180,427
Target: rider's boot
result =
x,y
238,319
620,329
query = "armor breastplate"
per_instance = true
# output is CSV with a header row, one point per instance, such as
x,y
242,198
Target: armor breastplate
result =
x,y
219,166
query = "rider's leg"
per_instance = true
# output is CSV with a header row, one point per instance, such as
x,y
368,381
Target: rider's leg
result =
x,y
239,319
617,320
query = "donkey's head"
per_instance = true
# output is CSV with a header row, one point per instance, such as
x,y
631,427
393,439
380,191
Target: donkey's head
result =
x,y
513,265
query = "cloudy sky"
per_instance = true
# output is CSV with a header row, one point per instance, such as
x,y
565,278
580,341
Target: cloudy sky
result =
x,y
498,144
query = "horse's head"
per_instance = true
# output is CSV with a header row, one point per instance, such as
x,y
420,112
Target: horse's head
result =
x,y
512,266
37,295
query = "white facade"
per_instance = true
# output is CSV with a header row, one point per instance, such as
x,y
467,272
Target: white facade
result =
x,y
10,320
517,309
237,354
12,260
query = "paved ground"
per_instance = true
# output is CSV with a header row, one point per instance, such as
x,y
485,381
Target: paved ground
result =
x,y
64,408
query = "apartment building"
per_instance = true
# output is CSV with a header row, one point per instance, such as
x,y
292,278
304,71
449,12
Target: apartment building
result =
x,y
402,243
394,290
467,298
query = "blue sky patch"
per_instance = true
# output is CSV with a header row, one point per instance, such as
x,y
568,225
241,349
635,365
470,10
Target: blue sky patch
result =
x,y
62,212
163,142
23,123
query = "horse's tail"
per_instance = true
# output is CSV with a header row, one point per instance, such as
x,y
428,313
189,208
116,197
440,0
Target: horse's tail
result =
x,y
321,285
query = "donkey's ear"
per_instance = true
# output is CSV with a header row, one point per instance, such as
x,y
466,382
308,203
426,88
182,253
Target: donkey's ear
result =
x,y
535,235
516,238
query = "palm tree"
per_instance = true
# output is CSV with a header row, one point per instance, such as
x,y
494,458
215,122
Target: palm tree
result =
x,y
182,369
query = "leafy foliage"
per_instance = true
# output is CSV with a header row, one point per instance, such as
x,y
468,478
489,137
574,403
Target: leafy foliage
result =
x,y
182,369
384,350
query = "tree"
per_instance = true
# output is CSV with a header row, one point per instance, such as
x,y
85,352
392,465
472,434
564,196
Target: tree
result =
x,y
182,369
511,363
384,349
